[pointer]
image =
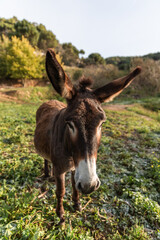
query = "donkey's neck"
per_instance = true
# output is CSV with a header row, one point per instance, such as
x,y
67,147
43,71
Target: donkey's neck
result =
x,y
61,157
60,139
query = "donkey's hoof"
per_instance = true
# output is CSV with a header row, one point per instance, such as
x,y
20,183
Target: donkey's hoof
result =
x,y
51,179
77,207
44,177
62,222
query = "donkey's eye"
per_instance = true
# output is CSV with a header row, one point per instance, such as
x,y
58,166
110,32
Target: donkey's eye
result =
x,y
70,125
100,109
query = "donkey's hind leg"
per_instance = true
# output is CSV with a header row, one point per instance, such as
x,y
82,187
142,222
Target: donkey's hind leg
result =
x,y
48,171
75,195
46,168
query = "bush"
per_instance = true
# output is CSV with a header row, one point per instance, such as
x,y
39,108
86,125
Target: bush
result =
x,y
37,35
94,58
149,79
77,74
19,60
70,54
101,74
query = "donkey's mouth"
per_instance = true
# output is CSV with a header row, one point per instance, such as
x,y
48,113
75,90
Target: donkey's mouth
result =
x,y
88,188
86,178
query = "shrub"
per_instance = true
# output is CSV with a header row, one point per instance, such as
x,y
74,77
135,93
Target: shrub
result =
x,y
77,74
149,79
94,58
18,59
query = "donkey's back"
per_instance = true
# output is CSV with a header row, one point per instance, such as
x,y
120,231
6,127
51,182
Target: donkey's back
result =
x,y
45,118
48,109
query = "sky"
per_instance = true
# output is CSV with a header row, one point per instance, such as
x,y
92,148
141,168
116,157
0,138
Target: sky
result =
x,y
108,27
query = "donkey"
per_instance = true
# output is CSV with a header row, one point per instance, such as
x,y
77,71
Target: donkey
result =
x,y
68,135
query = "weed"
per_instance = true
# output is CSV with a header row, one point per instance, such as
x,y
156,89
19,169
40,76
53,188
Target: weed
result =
x,y
127,204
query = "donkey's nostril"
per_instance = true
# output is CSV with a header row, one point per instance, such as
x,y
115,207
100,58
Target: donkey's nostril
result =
x,y
79,186
98,184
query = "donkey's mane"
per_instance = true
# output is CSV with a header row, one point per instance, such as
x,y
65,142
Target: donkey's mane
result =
x,y
85,82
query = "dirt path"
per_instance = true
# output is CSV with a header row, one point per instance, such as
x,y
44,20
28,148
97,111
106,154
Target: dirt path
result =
x,y
121,107
117,107
7,98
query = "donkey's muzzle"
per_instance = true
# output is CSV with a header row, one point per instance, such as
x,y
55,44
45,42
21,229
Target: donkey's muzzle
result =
x,y
88,188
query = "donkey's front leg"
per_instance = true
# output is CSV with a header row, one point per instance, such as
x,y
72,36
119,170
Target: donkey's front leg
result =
x,y
75,195
46,168
60,191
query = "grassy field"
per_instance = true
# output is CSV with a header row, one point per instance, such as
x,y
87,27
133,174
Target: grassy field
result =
x,y
126,206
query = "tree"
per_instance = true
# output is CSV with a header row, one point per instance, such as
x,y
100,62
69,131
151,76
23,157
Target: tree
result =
x,y
37,35
123,63
95,58
46,38
82,52
7,26
70,54
4,42
154,56
21,60
28,30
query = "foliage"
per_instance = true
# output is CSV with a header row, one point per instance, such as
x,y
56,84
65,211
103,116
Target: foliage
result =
x,y
4,43
123,63
77,75
46,38
37,35
73,72
18,59
126,206
7,26
149,79
147,83
27,30
94,66
146,111
95,58
101,74
146,205
154,56
70,54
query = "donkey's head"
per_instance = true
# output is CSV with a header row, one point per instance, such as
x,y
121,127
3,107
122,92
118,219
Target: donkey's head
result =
x,y
83,119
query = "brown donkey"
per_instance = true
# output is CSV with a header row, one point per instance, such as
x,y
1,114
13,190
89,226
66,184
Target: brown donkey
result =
x,y
69,135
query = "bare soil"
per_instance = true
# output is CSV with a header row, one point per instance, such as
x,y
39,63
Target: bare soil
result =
x,y
8,96
116,107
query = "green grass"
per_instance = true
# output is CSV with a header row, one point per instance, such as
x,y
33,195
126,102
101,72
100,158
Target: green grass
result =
x,y
149,108
126,206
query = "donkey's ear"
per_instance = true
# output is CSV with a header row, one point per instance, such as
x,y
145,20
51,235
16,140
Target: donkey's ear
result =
x,y
60,81
114,88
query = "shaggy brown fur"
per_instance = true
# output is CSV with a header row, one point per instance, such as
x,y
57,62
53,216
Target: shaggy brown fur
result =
x,y
67,134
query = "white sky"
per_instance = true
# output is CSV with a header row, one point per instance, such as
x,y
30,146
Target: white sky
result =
x,y
109,27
